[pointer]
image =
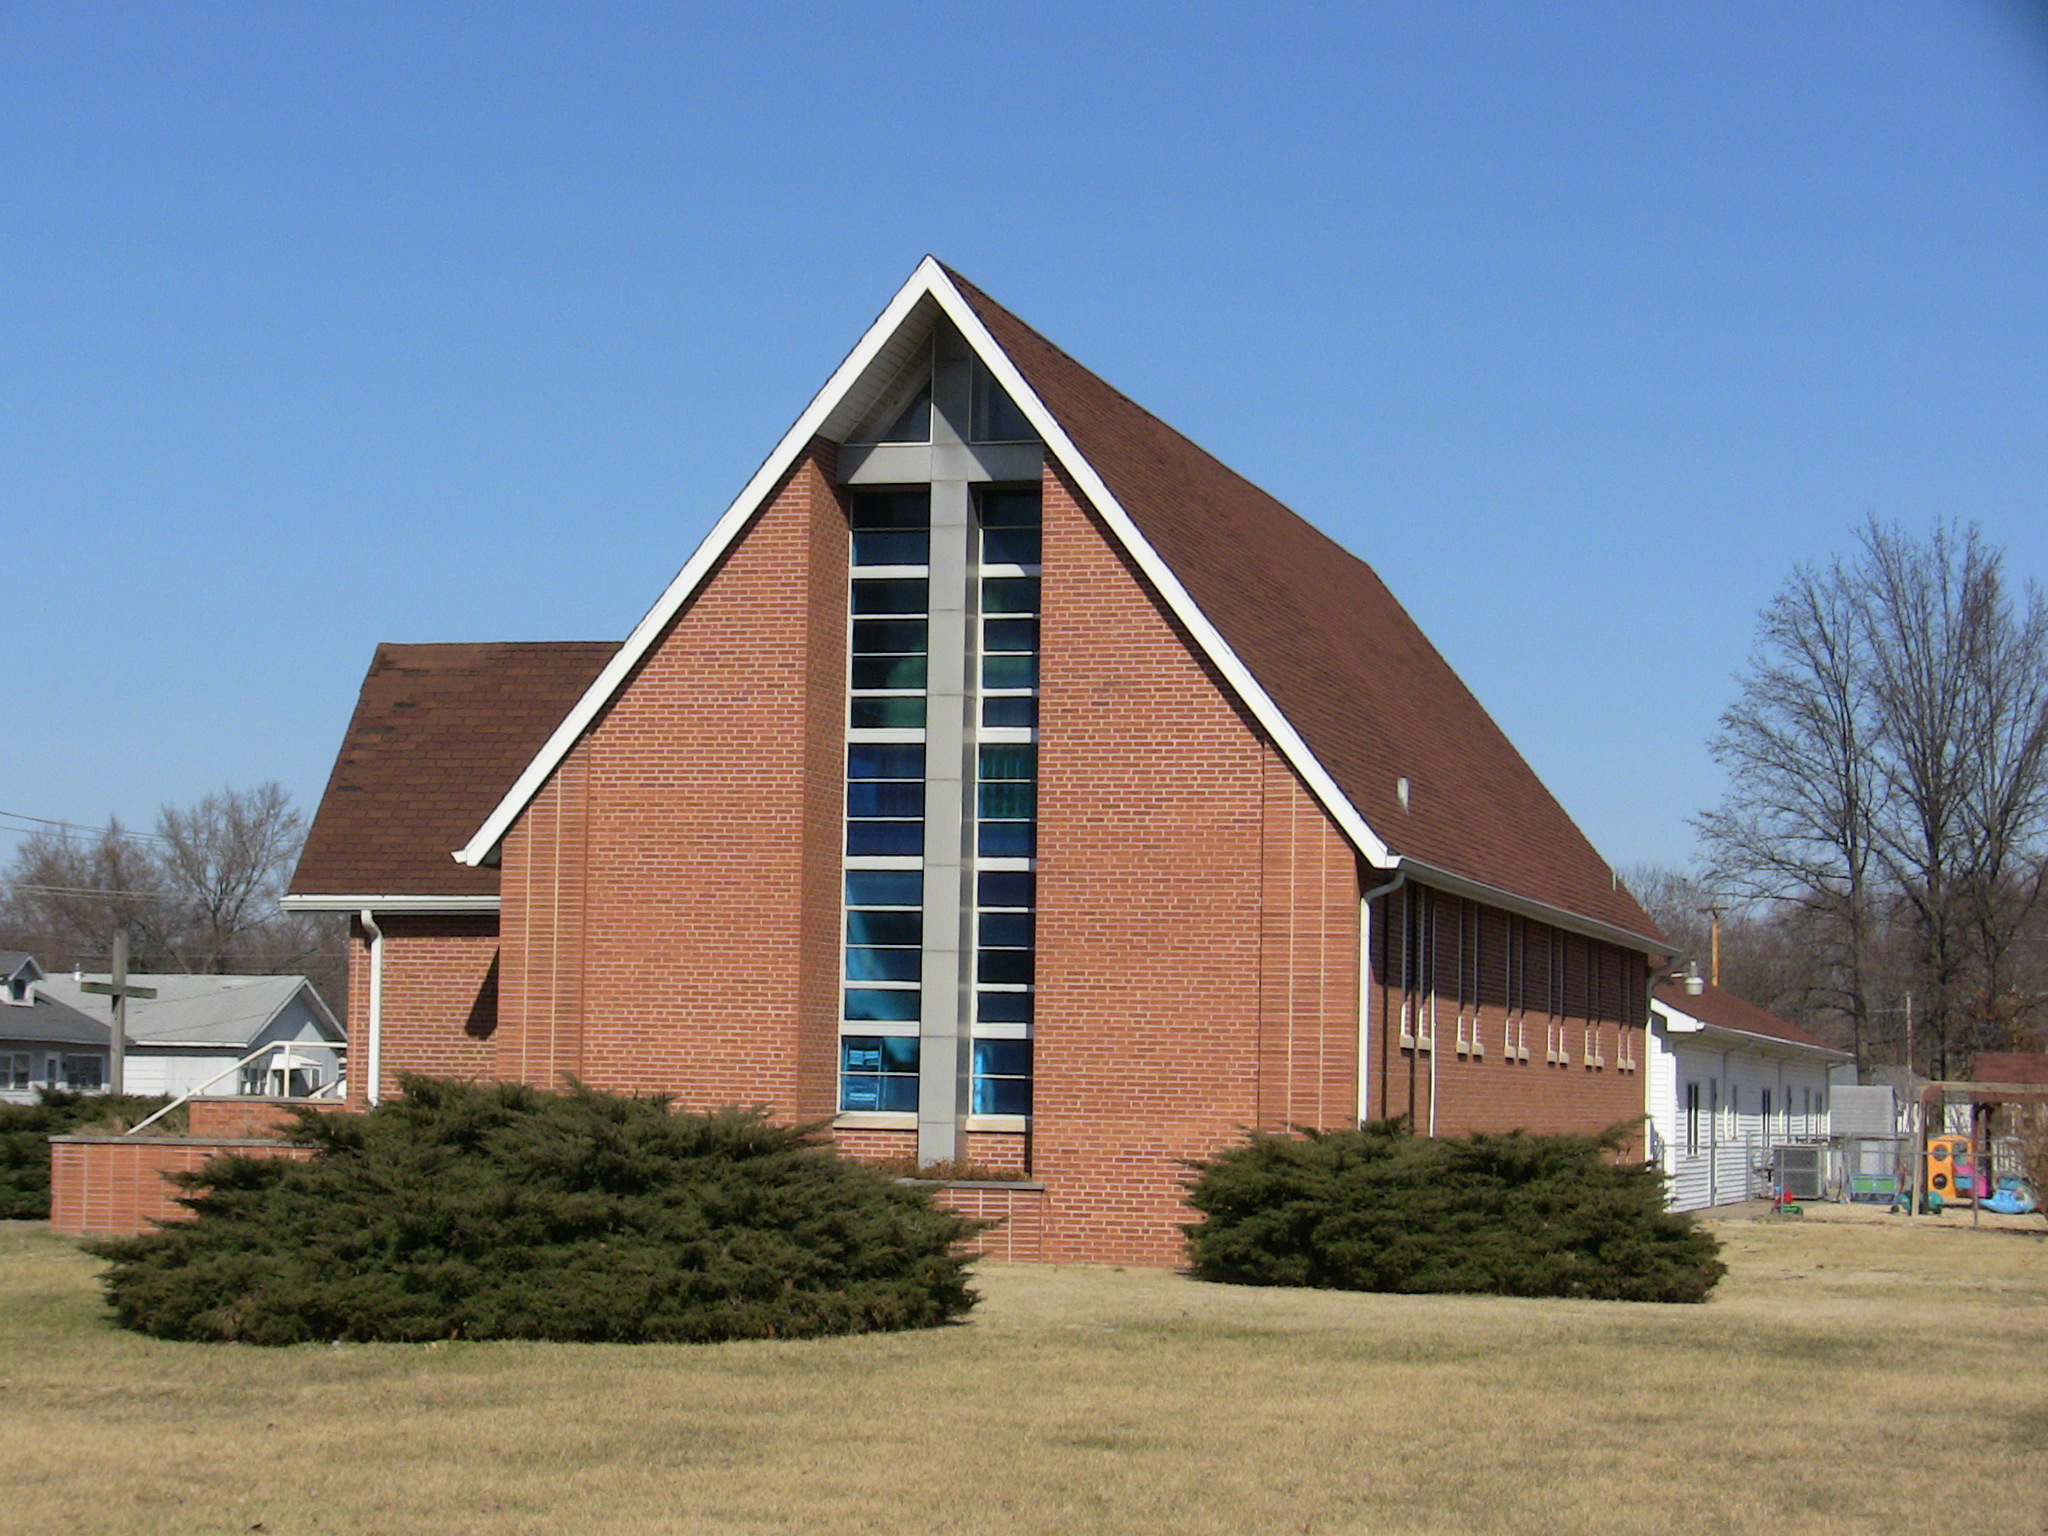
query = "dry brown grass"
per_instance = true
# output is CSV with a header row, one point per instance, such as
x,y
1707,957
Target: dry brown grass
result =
x,y
1848,1377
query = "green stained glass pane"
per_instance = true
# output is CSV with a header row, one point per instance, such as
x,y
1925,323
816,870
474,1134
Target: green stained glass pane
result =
x,y
888,672
1010,508
1009,635
873,637
1009,671
1009,594
1009,801
1009,760
890,509
886,714
906,594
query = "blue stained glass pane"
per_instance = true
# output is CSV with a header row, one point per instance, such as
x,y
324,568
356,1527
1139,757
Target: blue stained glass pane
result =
x,y
884,887
1009,671
899,1095
1004,888
1006,839
889,547
901,928
860,1094
1018,711
885,760
1004,801
885,839
885,797
1002,930
1011,509
1009,594
914,423
1009,634
890,509
1002,965
900,594
890,637
888,671
1013,761
1002,1096
877,1005
900,713
1009,546
892,964
1003,1007
1002,1058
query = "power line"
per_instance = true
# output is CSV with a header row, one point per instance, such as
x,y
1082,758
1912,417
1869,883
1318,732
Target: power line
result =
x,y
72,826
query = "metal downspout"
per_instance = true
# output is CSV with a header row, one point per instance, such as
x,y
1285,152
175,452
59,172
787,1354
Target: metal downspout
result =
x,y
373,1064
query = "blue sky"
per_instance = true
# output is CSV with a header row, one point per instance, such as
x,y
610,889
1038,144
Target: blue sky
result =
x,y
322,325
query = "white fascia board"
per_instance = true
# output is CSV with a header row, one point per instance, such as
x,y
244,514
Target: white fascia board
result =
x,y
722,536
1164,581
447,905
929,280
1773,1044
1543,912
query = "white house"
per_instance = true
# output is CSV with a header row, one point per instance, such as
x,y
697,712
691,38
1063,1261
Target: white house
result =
x,y
191,1036
44,1043
1727,1083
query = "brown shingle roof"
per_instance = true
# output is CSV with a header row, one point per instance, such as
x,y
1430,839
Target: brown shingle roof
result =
x,y
439,734
2010,1067
1724,1010
1342,659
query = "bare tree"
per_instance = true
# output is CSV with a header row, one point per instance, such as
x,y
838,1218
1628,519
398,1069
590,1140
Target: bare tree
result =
x,y
1888,757
227,860
197,894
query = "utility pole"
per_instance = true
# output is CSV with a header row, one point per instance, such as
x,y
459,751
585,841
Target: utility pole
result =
x,y
1714,950
116,987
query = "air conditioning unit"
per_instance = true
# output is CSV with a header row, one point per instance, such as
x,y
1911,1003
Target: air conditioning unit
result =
x,y
1802,1171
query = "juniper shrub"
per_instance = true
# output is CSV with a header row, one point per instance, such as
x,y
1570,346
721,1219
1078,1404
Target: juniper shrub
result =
x,y
503,1212
1378,1209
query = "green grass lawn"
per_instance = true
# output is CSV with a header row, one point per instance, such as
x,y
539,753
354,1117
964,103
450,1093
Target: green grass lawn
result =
x,y
1847,1377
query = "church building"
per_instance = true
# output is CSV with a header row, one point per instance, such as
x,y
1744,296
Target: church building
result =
x,y
1008,784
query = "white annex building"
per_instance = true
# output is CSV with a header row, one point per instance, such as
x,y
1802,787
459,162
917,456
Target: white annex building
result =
x,y
197,1032
1728,1083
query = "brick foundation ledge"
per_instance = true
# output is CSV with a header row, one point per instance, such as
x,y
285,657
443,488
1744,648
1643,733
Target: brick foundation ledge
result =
x,y
1017,1206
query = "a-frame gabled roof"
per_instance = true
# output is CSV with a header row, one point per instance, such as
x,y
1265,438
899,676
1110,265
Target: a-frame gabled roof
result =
x,y
1304,633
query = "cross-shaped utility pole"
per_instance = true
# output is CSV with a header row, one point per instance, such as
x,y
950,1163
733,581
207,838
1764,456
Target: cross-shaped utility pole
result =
x,y
118,989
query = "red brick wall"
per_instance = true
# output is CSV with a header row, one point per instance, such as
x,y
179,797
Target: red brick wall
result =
x,y
1196,927
116,1186
1018,1236
1493,977
237,1119
441,985
671,901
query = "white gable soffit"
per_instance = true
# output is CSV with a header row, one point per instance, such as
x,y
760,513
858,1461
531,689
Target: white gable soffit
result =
x,y
424,905
1698,1031
832,406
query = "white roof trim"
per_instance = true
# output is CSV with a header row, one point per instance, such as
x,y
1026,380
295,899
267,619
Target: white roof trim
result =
x,y
1673,1014
400,904
929,280
1557,917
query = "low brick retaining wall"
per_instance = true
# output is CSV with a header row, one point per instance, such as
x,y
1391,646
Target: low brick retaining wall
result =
x,y
115,1186
240,1118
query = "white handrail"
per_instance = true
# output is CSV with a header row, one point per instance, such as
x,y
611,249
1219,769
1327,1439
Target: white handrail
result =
x,y
187,1098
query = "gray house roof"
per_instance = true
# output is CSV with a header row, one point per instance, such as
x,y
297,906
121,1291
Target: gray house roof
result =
x,y
197,1010
46,1021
